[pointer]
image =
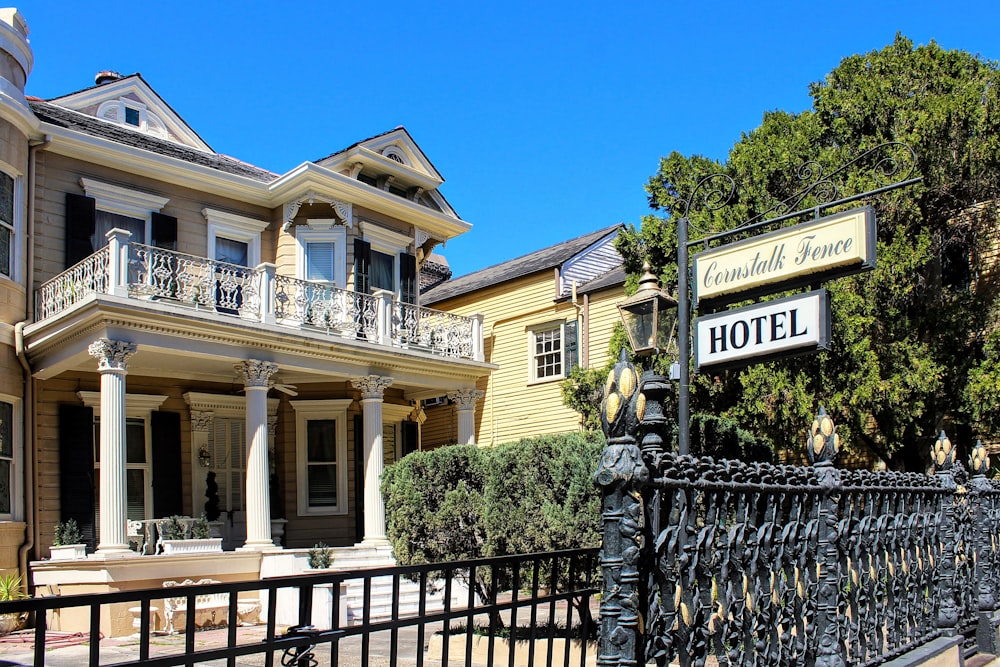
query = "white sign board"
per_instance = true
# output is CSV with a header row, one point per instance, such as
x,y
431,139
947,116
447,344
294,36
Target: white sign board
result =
x,y
805,253
778,328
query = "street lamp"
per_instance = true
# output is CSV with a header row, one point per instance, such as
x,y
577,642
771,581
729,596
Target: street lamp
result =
x,y
649,316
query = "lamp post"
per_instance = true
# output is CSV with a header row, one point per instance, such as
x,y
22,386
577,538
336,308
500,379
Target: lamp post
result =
x,y
650,317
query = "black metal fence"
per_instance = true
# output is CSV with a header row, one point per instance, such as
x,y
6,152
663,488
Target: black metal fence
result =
x,y
759,564
466,612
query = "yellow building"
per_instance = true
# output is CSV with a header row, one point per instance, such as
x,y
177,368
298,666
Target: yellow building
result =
x,y
543,314
185,332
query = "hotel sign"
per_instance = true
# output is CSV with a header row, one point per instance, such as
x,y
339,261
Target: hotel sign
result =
x,y
779,328
830,247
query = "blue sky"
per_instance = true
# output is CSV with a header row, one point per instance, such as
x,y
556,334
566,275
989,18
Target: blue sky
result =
x,y
545,118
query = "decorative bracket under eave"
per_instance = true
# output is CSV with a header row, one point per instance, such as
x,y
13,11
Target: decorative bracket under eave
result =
x,y
344,210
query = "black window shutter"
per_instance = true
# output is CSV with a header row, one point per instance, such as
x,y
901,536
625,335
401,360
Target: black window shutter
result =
x,y
362,262
76,469
407,277
80,225
166,440
359,478
164,231
570,356
411,437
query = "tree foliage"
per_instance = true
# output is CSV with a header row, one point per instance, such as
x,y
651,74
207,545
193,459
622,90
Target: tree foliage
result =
x,y
908,355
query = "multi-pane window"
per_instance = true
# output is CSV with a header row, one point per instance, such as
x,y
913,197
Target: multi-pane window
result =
x,y
6,222
137,469
547,354
321,455
6,456
321,465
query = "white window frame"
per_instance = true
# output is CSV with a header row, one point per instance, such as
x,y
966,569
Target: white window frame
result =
x,y
322,230
16,226
124,201
305,411
389,242
533,331
393,415
17,458
235,228
137,406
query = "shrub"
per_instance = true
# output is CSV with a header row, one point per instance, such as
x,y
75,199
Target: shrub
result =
x,y
199,529
173,528
320,556
67,532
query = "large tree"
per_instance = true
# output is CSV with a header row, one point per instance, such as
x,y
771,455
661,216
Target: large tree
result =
x,y
908,353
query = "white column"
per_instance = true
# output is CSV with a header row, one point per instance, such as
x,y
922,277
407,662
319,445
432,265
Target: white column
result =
x,y
465,401
112,358
118,252
372,388
256,377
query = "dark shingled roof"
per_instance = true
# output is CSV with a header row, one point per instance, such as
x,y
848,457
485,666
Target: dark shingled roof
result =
x,y
73,120
540,260
615,276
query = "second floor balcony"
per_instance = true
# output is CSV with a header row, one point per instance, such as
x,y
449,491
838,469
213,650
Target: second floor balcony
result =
x,y
258,294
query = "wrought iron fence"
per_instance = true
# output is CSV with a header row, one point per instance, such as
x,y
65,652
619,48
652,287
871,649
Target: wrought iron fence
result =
x,y
759,564
440,332
73,284
537,606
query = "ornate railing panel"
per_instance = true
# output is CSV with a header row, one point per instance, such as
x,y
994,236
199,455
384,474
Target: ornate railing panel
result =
x,y
759,564
72,285
146,272
443,333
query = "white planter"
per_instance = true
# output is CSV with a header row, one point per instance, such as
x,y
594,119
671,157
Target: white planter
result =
x,y
68,552
200,546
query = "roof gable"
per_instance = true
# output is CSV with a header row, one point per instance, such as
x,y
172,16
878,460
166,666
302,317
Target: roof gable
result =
x,y
393,153
164,123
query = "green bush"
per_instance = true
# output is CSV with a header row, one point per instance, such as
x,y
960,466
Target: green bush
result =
x,y
463,502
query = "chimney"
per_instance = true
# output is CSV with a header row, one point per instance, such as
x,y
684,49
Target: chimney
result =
x,y
106,76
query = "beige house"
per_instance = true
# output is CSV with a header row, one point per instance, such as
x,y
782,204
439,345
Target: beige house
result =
x,y
543,314
185,332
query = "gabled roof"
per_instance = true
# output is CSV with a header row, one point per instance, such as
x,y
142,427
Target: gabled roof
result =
x,y
79,122
133,87
540,260
613,278
396,141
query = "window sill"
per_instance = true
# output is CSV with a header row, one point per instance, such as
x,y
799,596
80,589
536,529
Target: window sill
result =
x,y
305,512
533,383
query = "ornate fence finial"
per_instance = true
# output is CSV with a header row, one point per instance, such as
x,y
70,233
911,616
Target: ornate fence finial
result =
x,y
943,454
979,462
619,416
824,443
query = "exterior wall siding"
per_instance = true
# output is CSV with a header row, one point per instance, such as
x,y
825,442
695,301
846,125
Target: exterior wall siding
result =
x,y
604,316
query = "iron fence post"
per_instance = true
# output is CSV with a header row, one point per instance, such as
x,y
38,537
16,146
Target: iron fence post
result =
x,y
943,454
621,475
823,447
982,496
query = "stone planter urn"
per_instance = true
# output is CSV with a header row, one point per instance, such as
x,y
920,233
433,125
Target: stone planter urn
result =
x,y
68,552
193,546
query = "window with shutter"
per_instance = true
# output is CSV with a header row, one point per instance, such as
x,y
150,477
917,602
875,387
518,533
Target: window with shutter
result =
x,y
553,350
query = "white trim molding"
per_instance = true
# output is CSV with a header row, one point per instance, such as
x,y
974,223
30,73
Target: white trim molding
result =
x,y
236,227
305,411
318,231
123,201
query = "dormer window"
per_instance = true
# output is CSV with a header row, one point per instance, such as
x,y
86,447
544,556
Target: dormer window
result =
x,y
125,111
394,154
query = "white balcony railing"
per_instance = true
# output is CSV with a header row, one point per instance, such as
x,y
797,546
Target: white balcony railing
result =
x,y
139,271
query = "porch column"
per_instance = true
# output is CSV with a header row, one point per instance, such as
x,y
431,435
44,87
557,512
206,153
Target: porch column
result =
x,y
465,400
372,388
112,358
257,380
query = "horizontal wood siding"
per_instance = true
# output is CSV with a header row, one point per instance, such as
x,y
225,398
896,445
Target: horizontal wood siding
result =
x,y
513,407
440,428
603,317
592,263
57,175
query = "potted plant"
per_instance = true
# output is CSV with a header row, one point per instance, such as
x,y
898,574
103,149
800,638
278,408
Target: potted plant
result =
x,y
67,543
180,535
10,589
320,557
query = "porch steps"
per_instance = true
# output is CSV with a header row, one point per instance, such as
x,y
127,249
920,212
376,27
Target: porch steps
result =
x,y
362,557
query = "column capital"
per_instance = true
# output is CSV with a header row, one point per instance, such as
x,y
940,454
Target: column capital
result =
x,y
371,386
202,421
466,399
112,355
256,373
